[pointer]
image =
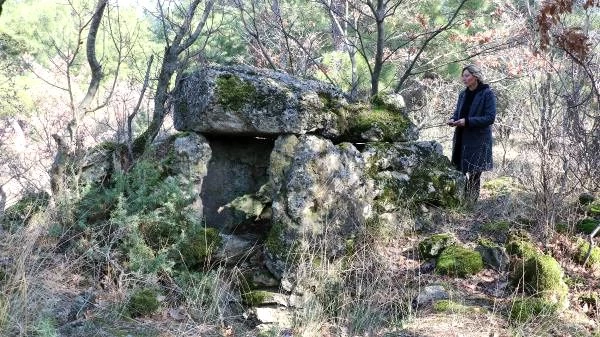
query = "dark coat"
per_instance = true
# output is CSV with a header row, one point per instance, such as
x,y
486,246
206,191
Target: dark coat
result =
x,y
473,152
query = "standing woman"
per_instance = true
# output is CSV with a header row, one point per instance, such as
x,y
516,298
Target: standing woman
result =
x,y
474,114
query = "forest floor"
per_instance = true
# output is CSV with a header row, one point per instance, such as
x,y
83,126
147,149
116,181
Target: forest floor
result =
x,y
59,298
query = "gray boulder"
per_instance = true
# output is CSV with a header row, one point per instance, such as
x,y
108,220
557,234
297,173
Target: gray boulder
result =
x,y
412,171
321,197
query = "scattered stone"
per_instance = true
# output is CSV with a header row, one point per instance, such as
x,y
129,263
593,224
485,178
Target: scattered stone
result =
x,y
493,255
280,316
234,249
429,294
433,245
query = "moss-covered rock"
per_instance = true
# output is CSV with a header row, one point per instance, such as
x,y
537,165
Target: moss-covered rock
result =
x,y
542,276
493,254
233,92
593,209
433,245
586,199
378,123
143,302
413,173
582,251
21,213
587,225
525,309
521,246
198,246
459,261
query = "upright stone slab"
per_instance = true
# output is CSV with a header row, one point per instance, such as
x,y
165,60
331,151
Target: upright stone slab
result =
x,y
321,197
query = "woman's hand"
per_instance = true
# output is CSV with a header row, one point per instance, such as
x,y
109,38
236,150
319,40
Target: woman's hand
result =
x,y
460,122
450,122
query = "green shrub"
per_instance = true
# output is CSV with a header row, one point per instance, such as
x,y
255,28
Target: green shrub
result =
x,y
198,245
525,309
459,261
143,302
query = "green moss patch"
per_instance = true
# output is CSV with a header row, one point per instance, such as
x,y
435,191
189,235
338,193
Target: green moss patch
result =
x,y
433,245
582,250
500,185
587,225
453,307
255,297
593,209
459,261
143,302
496,228
393,126
526,309
542,276
234,93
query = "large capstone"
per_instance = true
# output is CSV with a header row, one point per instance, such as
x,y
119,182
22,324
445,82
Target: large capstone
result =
x,y
241,100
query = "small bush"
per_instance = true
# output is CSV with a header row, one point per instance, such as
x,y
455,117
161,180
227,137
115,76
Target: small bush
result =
x,y
198,246
143,302
459,261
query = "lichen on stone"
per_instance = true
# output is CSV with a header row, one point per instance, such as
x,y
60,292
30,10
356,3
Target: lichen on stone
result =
x,y
433,245
233,92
